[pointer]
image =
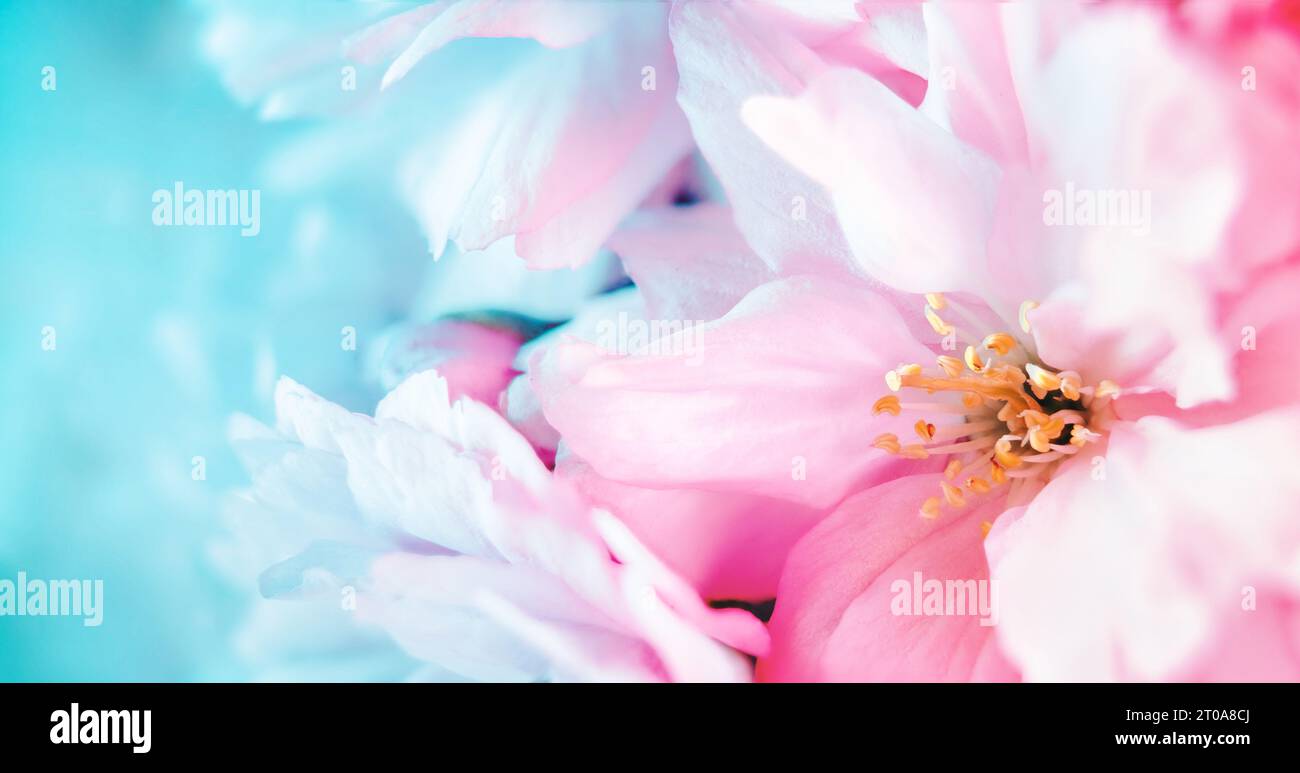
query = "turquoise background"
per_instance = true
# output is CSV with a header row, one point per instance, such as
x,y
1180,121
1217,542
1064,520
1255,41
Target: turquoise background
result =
x,y
162,333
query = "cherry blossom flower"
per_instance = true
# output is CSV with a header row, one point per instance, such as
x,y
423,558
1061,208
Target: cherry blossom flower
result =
x,y
1103,395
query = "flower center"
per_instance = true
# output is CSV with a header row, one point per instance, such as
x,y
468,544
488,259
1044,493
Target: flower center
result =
x,y
1016,420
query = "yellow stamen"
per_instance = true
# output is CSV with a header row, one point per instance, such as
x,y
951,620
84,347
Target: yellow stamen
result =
x,y
894,378
985,528
888,404
887,442
1025,308
951,365
1008,386
986,387
940,327
1081,436
1042,378
1071,382
1042,435
1000,343
1034,418
1002,453
952,494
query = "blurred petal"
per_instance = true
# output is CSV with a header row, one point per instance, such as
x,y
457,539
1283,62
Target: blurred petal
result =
x,y
475,359
558,162
916,204
689,263
429,605
552,23
972,92
1126,573
496,279
726,55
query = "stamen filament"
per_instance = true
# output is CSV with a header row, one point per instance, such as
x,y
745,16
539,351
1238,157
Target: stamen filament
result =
x,y
971,428
983,441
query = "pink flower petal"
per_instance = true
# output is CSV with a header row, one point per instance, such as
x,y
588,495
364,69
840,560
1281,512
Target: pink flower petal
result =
x,y
689,263
553,24
726,545
1124,565
726,54
557,162
971,82
836,613
475,359
915,203
772,399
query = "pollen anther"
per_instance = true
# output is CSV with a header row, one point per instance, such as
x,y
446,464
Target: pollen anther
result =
x,y
914,451
887,442
1107,388
1009,404
1025,308
951,365
936,322
888,404
1042,378
1000,343
1002,453
952,494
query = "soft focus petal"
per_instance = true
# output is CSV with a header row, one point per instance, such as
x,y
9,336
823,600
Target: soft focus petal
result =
x,y
475,359
558,162
1155,127
972,90
727,55
553,23
496,279
916,204
429,605
689,263
1124,565
286,57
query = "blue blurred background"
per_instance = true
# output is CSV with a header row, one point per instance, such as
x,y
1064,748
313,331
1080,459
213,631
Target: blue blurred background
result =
x,y
161,333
